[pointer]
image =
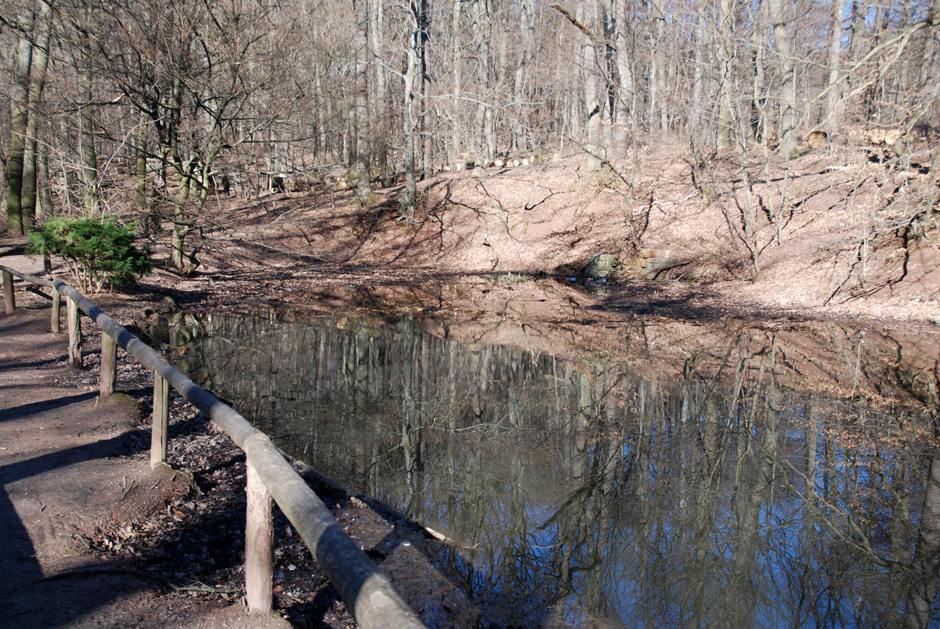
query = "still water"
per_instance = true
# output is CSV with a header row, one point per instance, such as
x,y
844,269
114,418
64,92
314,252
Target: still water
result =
x,y
752,485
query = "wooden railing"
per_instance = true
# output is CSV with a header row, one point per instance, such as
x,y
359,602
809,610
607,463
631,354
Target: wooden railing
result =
x,y
368,593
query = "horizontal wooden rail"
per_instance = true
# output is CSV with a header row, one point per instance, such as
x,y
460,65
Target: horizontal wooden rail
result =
x,y
368,593
10,300
28,278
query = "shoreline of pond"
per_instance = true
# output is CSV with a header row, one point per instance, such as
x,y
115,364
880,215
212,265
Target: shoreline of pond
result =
x,y
541,314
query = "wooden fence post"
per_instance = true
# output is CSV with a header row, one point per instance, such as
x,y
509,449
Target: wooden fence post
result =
x,y
56,309
8,299
75,334
108,366
161,420
259,544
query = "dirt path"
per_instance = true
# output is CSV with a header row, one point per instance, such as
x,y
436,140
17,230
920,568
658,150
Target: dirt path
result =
x,y
70,465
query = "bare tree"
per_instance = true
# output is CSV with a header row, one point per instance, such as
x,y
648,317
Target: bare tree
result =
x,y
586,20
783,46
626,92
484,133
19,112
37,81
520,84
360,116
725,57
89,152
378,92
834,97
411,77
193,70
456,143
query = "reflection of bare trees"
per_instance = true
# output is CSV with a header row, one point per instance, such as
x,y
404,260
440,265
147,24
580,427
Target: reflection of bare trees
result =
x,y
600,492
920,596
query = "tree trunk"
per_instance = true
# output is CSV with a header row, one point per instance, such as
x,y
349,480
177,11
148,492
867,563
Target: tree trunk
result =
x,y
858,46
759,100
625,93
177,243
45,183
484,119
37,81
423,100
724,50
360,115
19,107
696,113
520,88
455,142
182,224
87,140
653,85
143,208
411,75
324,146
834,97
783,47
569,77
659,118
608,23
377,86
587,16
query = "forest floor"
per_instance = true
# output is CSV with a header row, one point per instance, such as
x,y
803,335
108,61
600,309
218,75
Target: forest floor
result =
x,y
501,253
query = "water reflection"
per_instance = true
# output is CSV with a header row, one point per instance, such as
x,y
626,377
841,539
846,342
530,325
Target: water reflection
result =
x,y
597,491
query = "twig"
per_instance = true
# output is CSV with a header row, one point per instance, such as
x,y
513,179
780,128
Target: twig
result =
x,y
581,27
202,587
83,540
126,487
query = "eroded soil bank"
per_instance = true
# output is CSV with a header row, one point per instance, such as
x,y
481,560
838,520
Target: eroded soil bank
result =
x,y
834,232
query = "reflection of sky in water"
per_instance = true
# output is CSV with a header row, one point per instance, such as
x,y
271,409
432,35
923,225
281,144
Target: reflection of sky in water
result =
x,y
590,494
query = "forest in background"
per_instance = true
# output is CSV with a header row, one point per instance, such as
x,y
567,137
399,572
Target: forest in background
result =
x,y
154,104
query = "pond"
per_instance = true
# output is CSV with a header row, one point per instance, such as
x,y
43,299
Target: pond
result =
x,y
736,475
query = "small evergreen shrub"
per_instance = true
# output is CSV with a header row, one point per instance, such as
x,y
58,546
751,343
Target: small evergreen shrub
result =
x,y
99,252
